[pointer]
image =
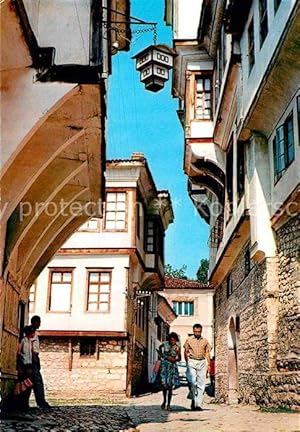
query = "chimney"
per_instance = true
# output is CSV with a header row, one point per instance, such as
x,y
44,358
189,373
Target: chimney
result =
x,y
137,156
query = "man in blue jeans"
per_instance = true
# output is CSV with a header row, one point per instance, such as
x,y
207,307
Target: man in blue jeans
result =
x,y
38,385
197,357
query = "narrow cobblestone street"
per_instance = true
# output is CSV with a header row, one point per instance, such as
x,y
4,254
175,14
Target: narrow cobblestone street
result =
x,y
144,414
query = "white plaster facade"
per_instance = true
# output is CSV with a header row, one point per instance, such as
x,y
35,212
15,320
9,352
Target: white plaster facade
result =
x,y
120,253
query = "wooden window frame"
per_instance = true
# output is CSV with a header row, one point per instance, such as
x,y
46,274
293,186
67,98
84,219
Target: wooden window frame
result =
x,y
204,76
116,191
251,46
278,173
138,219
263,21
147,221
240,178
90,229
98,270
59,270
229,178
32,310
183,303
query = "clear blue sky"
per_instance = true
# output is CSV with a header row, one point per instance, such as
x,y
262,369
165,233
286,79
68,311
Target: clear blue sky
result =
x,y
139,120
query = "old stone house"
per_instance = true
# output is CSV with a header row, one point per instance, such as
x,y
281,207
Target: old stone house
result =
x,y
54,68
98,296
237,80
193,303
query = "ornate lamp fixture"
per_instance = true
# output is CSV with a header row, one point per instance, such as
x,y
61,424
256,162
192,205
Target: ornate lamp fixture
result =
x,y
154,63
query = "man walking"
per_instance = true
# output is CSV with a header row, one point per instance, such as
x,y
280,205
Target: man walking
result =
x,y
196,353
38,385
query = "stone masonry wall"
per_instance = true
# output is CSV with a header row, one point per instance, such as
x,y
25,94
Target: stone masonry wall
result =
x,y
288,243
256,305
89,376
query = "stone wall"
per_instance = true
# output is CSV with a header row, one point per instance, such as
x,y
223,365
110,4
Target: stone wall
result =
x,y
288,243
89,376
262,307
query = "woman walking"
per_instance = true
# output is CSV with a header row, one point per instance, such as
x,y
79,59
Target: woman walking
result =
x,y
169,353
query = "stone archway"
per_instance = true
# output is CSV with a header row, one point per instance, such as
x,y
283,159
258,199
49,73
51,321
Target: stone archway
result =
x,y
232,363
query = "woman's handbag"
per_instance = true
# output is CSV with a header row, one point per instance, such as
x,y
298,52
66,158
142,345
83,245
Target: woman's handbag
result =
x,y
23,386
155,371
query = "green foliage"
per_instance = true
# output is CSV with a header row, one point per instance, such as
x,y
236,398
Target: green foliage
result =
x,y
202,273
176,273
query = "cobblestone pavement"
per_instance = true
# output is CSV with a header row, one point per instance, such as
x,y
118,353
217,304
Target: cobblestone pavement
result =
x,y
146,415
69,419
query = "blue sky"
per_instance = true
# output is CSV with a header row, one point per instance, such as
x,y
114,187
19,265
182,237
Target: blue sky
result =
x,y
139,120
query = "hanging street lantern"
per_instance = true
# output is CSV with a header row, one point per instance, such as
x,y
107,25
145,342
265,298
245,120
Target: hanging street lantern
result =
x,y
154,63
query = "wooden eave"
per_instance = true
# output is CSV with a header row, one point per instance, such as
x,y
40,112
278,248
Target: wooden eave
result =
x,y
229,254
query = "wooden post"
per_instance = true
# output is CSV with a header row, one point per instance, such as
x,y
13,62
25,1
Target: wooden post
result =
x,y
70,354
131,351
97,349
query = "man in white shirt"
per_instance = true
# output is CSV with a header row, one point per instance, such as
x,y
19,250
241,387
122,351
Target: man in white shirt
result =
x,y
38,386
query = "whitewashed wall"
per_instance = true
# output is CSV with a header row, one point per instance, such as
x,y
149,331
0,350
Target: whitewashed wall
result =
x,y
263,55
79,318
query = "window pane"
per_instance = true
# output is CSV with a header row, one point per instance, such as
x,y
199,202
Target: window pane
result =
x,y
94,277
120,224
60,297
110,225
186,308
93,297
121,206
110,216
120,216
121,196
275,157
105,277
105,288
280,133
93,307
56,277
103,307
207,84
111,197
192,308
110,206
281,163
104,297
199,85
94,289
291,154
179,308
67,277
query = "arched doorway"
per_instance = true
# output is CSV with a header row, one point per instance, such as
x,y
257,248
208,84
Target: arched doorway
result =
x,y
232,363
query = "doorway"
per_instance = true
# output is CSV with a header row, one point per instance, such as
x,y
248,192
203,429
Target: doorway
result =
x,y
232,363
